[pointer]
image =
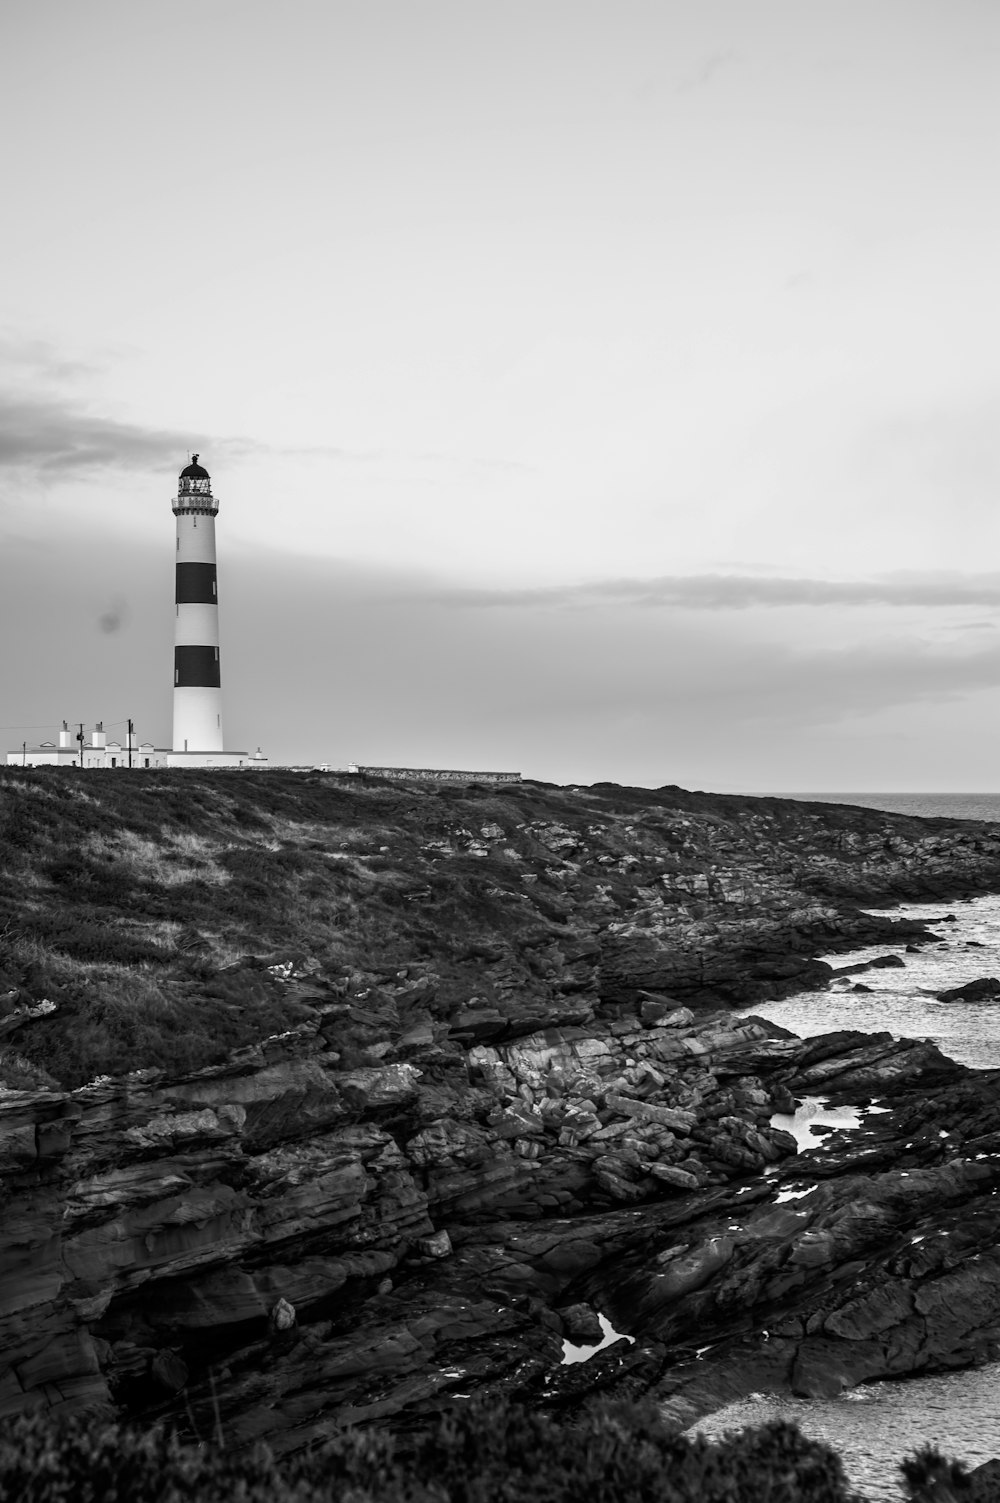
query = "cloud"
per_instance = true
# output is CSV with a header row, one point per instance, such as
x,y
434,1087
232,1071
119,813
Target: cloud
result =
x,y
575,672
717,592
39,360
333,661
58,438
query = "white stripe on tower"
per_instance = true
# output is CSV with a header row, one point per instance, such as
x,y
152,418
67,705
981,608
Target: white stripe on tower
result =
x,y
197,680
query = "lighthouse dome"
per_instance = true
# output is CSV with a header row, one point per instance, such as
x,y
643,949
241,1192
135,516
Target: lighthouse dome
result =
x,y
194,471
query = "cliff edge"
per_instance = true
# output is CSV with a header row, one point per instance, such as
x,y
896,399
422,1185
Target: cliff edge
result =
x,y
328,1099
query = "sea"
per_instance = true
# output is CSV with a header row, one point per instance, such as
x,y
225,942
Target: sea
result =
x,y
875,1425
925,805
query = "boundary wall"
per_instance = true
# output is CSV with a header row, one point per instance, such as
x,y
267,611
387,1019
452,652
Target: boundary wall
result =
x,y
435,774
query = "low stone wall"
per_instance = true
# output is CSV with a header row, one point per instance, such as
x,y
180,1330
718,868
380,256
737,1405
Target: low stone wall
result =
x,y
436,774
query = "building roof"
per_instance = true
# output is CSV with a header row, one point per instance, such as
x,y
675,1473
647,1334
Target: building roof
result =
x,y
195,471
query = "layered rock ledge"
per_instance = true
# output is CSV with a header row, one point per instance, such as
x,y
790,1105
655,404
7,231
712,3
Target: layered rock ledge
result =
x,y
519,1100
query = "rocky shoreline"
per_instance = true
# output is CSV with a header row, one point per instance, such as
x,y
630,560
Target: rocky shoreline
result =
x,y
448,1167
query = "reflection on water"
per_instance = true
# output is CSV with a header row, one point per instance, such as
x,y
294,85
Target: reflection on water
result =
x,y
873,1427
814,1112
572,1353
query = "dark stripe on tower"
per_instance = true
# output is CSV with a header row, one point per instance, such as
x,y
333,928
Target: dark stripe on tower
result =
x,y
196,584
196,668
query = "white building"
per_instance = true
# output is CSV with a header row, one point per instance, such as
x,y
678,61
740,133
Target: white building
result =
x,y
80,748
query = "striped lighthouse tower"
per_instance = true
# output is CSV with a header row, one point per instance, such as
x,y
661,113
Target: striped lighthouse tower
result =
x,y
197,681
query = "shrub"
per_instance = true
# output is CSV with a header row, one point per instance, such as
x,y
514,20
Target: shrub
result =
x,y
477,1454
88,1463
621,1454
480,1453
932,1477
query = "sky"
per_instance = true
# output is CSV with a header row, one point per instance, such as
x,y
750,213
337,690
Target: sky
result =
x,y
599,389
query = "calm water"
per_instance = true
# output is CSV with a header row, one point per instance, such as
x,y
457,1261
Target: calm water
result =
x,y
874,1426
926,805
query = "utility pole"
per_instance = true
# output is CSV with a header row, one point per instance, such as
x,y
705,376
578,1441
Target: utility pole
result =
x,y
24,753
130,743
80,741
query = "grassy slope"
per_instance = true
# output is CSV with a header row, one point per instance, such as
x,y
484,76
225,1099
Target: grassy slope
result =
x,y
131,900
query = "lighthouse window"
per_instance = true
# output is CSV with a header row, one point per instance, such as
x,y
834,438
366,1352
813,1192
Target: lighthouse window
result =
x,y
177,675
216,654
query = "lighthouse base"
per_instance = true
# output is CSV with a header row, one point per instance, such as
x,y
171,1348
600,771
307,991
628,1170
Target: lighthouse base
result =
x,y
215,759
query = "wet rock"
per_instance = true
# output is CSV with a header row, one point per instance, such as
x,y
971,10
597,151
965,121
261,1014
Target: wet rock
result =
x,y
986,989
880,963
582,1325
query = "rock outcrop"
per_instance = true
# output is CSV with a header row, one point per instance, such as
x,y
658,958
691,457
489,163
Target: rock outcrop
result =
x,y
300,1246
986,989
509,1095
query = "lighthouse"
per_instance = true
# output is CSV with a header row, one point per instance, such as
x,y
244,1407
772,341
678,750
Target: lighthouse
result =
x,y
197,738
197,676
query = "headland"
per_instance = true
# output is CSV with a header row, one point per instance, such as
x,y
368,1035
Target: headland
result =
x,y
338,1099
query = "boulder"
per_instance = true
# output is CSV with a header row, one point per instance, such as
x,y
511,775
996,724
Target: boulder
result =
x,y
880,963
434,1245
986,989
582,1325
662,1012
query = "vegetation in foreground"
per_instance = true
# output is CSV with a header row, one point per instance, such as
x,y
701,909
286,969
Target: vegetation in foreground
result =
x,y
620,1454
